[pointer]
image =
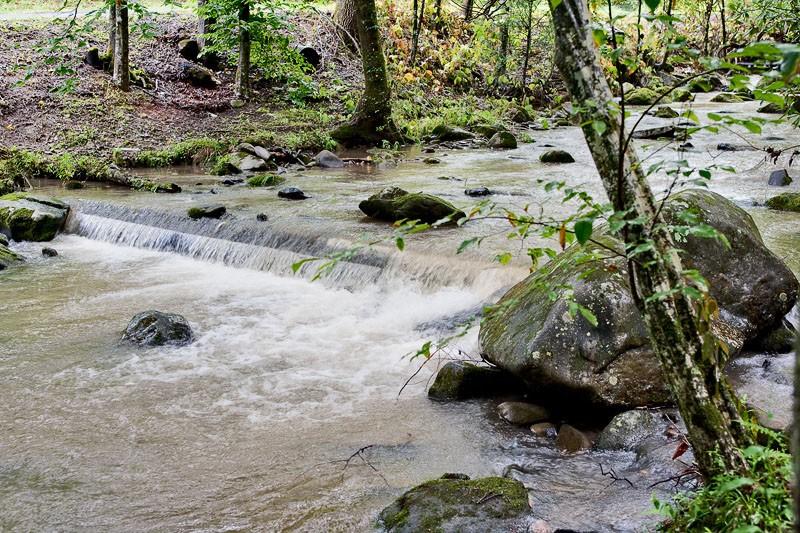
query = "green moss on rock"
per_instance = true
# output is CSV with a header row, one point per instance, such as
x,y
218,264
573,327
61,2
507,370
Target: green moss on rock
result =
x,y
29,218
644,96
8,257
188,151
487,504
788,201
395,204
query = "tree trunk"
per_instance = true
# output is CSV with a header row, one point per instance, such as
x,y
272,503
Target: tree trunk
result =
x,y
526,59
122,70
112,31
796,434
418,22
639,30
668,10
372,121
468,5
689,357
502,59
723,21
707,25
344,15
242,83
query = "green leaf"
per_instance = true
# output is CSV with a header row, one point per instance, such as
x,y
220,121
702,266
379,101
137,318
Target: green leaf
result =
x,y
588,315
298,265
583,230
466,244
652,4
735,483
599,126
503,258
401,244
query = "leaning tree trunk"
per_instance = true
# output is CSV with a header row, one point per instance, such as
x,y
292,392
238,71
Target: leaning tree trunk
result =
x,y
112,31
468,7
372,121
122,68
687,351
242,82
796,434
344,15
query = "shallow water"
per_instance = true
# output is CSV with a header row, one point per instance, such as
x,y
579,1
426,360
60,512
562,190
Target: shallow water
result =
x,y
242,429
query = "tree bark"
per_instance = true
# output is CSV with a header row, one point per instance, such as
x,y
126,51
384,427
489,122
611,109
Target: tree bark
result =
x,y
468,6
796,434
122,68
526,58
344,15
690,360
502,59
419,19
707,25
112,31
372,121
242,82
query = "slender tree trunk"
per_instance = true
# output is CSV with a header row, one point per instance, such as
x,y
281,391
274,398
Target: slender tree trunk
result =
x,y
502,59
668,7
243,67
122,70
639,30
112,31
418,22
372,121
437,8
680,338
526,59
724,22
796,434
707,25
468,6
344,15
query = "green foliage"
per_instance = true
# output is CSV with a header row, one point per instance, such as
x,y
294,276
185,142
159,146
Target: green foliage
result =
x,y
759,501
187,151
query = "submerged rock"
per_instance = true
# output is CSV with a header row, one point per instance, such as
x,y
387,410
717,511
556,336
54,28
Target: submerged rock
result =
x,y
292,193
571,440
25,217
431,161
628,429
49,252
660,132
468,506
613,365
154,328
444,132
666,111
478,191
462,380
393,204
556,156
544,429
503,140
788,201
522,413
779,178
327,159
728,98
206,211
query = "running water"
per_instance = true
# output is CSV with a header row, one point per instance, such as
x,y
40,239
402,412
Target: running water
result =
x,y
250,427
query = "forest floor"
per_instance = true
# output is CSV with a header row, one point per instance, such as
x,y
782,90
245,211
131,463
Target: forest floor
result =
x,y
94,118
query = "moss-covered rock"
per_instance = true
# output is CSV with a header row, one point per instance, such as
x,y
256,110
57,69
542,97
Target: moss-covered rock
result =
x,y
788,201
443,132
681,95
556,156
666,111
206,211
503,139
728,98
7,256
265,180
644,96
628,429
26,217
612,365
462,380
395,204
463,505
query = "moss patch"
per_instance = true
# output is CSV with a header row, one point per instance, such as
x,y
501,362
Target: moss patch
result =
x,y
192,150
788,201
265,180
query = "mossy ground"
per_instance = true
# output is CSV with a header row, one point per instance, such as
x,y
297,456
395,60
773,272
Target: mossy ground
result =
x,y
788,201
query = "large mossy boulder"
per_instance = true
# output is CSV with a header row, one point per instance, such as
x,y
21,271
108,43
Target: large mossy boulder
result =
x,y
503,139
463,505
564,358
462,380
7,256
393,204
443,132
788,201
154,328
25,217
645,96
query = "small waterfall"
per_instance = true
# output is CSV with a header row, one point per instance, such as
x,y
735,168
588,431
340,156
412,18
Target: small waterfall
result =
x,y
275,248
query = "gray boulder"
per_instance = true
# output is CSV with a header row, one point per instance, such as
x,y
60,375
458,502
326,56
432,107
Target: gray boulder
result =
x,y
628,429
206,211
327,159
443,132
393,204
503,140
556,156
292,193
572,440
655,133
463,505
25,217
522,413
199,76
154,328
779,178
567,359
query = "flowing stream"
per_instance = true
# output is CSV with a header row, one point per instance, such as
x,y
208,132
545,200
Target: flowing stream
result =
x,y
251,426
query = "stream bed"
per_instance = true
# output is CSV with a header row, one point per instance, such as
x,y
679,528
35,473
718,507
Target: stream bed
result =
x,y
251,426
